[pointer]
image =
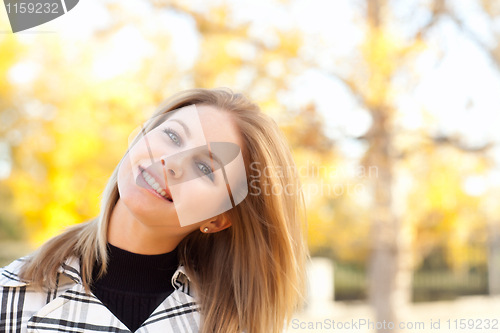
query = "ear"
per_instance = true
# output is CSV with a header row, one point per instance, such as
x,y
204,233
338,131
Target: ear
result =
x,y
216,224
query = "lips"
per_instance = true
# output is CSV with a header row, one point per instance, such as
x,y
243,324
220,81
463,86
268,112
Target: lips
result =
x,y
155,183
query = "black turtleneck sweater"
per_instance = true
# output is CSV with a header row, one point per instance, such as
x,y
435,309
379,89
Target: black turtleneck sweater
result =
x,y
135,284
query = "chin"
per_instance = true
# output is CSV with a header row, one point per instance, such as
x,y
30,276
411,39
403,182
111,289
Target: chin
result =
x,y
144,211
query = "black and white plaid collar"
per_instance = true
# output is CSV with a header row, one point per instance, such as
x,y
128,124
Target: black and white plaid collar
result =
x,y
71,269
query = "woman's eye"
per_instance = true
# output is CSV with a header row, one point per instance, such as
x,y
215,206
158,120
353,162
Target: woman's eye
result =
x,y
206,171
173,136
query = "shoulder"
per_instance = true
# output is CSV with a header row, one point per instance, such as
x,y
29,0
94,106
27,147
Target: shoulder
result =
x,y
11,284
17,298
68,272
20,299
9,275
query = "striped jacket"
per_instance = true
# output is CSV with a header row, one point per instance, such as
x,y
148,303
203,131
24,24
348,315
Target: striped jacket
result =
x,y
68,309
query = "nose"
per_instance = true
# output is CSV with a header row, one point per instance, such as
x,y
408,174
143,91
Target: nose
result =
x,y
172,168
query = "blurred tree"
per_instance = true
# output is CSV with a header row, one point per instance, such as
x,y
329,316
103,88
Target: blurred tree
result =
x,y
10,122
75,130
385,58
448,216
337,222
492,48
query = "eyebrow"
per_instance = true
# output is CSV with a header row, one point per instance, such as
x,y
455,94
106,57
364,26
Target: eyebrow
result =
x,y
186,129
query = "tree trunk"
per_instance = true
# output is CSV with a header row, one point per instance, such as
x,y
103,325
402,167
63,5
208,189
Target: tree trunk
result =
x,y
383,265
390,269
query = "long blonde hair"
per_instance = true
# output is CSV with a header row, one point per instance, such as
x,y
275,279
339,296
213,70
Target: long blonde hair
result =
x,y
250,276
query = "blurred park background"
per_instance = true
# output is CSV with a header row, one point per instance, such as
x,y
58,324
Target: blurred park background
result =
x,y
391,109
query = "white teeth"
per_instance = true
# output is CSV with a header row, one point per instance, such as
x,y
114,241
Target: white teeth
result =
x,y
151,181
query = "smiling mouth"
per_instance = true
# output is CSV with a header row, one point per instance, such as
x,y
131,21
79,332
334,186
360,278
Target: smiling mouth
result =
x,y
154,184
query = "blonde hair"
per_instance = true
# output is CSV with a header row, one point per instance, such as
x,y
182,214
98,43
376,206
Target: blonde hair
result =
x,y
250,276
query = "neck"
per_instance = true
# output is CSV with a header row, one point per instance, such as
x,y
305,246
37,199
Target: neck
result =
x,y
132,272
127,233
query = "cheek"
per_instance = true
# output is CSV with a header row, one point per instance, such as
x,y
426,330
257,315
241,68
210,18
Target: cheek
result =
x,y
145,152
125,178
198,200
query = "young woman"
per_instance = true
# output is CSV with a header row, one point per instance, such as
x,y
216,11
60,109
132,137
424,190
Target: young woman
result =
x,y
200,230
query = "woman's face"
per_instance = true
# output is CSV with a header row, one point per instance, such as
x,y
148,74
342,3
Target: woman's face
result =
x,y
174,177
